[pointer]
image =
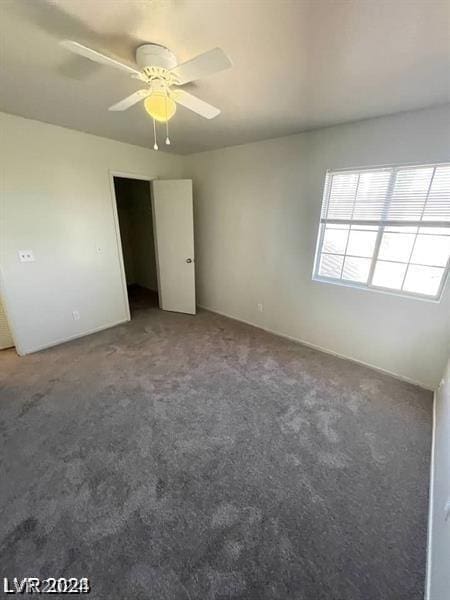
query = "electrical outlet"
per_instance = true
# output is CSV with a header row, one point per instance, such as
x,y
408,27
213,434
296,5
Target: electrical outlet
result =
x,y
26,255
75,315
260,307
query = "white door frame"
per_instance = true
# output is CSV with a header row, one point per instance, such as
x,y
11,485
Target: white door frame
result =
x,y
124,175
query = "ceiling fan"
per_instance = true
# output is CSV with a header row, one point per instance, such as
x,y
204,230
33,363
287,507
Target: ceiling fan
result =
x,y
156,66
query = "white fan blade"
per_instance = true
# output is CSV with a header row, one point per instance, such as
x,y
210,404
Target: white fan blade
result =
x,y
205,64
130,100
195,104
97,57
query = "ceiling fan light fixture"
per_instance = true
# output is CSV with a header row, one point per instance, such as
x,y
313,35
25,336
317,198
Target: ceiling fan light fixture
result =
x,y
160,106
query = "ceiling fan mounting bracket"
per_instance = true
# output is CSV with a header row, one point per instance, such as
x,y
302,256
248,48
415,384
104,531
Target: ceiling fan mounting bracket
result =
x,y
154,55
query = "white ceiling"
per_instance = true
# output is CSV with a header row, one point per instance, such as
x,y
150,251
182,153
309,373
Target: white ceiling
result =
x,y
298,64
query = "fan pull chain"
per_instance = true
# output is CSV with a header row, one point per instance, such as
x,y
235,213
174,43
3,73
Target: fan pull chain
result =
x,y
155,145
167,134
167,124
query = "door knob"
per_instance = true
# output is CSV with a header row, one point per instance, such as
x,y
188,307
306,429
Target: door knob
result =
x,y
189,260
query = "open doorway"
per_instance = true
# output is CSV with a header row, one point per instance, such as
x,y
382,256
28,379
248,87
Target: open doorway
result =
x,y
6,340
134,211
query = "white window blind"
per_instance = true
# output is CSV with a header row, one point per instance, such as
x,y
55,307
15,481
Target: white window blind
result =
x,y
386,228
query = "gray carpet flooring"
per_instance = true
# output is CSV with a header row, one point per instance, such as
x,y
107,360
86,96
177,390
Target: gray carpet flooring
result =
x,y
197,458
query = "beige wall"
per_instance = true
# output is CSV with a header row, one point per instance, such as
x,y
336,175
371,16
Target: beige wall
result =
x,y
257,211
438,572
56,200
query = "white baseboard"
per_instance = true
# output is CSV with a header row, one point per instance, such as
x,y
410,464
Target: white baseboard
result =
x,y
70,338
320,348
431,506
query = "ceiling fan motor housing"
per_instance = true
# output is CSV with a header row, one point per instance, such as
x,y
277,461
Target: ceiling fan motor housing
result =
x,y
154,55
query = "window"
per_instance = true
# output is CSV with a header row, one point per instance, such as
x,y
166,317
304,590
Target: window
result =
x,y
387,229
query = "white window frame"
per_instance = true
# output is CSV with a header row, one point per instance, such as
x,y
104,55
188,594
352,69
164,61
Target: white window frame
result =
x,y
369,286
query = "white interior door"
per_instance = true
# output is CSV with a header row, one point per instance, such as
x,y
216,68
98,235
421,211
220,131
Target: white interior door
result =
x,y
173,224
